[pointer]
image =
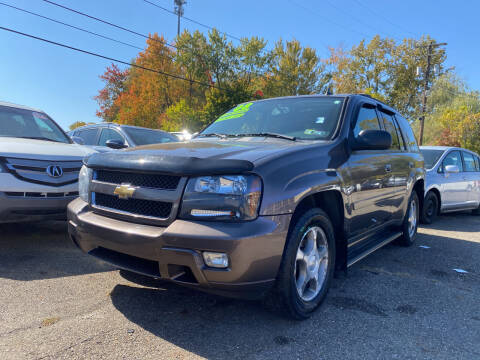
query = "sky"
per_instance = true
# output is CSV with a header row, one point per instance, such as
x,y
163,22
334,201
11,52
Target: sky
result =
x,y
63,82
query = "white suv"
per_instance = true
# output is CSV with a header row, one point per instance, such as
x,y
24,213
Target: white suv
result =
x,y
39,165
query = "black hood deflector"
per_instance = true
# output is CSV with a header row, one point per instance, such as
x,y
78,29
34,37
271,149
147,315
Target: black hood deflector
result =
x,y
164,164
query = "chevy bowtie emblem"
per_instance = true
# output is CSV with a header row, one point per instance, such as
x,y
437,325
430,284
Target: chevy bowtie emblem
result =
x,y
124,191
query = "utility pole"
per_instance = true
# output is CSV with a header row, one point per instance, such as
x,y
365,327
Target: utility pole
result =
x,y
178,6
426,86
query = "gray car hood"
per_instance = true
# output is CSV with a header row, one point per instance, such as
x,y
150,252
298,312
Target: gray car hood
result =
x,y
197,157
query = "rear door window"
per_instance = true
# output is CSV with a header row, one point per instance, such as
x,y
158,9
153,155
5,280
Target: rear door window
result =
x,y
389,124
469,161
89,136
366,120
408,133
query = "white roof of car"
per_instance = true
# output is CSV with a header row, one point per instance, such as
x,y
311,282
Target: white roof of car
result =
x,y
3,103
437,147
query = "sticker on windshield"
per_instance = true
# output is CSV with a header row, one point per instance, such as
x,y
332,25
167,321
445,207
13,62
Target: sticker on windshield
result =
x,y
236,112
315,132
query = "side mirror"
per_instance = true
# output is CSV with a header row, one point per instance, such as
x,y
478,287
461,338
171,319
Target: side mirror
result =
x,y
372,140
116,144
78,140
451,169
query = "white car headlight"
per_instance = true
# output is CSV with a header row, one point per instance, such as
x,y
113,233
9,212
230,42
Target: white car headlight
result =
x,y
226,197
84,180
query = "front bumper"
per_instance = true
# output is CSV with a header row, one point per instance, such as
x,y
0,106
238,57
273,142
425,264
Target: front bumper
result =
x,y
34,206
174,252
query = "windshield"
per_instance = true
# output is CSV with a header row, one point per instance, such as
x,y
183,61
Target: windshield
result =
x,y
147,136
29,124
309,118
431,157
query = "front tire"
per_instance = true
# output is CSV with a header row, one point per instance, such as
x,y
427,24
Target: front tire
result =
x,y
410,222
307,266
430,208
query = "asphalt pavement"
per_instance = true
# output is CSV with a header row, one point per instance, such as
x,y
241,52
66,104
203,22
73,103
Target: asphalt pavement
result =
x,y
398,303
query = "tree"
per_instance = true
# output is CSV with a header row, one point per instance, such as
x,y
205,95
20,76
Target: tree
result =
x,y
454,114
77,124
115,85
385,70
294,70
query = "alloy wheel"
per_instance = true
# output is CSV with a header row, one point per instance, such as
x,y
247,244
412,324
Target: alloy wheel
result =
x,y
311,263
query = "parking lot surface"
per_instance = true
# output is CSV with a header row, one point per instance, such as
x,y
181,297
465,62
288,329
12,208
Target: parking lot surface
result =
x,y
399,302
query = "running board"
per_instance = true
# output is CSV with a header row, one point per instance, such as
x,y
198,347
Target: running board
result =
x,y
377,246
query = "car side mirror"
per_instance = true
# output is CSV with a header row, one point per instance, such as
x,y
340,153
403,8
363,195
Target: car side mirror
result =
x,y
451,169
372,140
116,144
77,140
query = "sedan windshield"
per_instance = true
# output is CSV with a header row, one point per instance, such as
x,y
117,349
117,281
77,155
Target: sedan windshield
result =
x,y
29,124
431,157
146,136
308,118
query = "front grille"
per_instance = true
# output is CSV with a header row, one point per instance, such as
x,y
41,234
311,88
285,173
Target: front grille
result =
x,y
35,171
154,181
41,194
156,209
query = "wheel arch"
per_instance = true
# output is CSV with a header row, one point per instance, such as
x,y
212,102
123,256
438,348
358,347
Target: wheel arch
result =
x,y
439,197
419,188
331,202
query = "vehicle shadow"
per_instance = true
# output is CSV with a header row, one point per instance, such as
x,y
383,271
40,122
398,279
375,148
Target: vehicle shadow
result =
x,y
403,284
469,222
32,251
207,325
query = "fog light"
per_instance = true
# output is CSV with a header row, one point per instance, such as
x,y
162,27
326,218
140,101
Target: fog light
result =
x,y
217,260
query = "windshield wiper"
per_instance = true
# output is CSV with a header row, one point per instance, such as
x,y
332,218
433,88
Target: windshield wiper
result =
x,y
38,138
267,134
223,136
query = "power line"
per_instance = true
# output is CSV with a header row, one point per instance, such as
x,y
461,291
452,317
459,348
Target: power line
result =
x,y
384,18
353,17
126,29
191,20
327,18
72,26
110,24
109,58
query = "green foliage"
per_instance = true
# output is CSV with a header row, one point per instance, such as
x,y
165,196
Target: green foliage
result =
x,y
220,101
454,116
235,73
294,70
180,116
386,69
78,124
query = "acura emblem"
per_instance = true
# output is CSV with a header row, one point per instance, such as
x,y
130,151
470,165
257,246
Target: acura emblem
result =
x,y
124,191
54,171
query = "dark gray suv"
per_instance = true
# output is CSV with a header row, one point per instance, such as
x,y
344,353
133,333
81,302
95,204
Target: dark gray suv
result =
x,y
268,200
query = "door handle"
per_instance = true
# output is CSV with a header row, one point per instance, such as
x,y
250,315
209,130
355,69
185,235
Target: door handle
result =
x,y
388,168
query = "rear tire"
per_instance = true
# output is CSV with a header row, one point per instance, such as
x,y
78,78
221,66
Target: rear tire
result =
x,y
307,266
430,208
410,222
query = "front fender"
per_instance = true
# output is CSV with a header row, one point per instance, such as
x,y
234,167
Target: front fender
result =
x,y
284,200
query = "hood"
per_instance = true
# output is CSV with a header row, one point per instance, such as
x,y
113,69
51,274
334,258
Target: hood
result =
x,y
42,150
195,157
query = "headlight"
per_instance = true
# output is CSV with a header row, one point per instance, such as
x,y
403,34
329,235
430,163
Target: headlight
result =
x,y
227,197
84,179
